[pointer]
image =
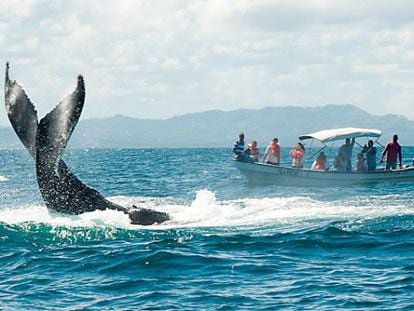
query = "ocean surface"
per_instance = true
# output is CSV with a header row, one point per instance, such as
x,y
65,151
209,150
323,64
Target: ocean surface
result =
x,y
231,245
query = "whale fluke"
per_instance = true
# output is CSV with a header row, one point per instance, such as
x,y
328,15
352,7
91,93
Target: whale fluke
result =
x,y
46,141
55,128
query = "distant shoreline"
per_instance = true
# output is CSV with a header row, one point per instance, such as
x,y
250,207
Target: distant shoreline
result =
x,y
220,128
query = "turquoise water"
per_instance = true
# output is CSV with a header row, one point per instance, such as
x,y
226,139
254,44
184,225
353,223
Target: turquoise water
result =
x,y
230,245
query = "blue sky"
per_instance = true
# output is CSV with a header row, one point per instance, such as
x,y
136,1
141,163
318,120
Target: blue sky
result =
x,y
156,59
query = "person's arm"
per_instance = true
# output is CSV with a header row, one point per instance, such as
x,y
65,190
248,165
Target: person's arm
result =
x,y
383,153
278,153
265,155
400,156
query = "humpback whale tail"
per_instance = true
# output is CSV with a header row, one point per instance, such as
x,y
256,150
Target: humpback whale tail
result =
x,y
46,141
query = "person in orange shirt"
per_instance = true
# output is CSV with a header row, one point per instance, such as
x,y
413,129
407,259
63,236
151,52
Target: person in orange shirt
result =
x,y
298,155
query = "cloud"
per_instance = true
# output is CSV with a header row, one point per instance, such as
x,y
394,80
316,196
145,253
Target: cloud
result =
x,y
162,58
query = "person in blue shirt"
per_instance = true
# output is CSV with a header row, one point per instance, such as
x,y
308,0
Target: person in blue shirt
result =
x,y
238,146
371,155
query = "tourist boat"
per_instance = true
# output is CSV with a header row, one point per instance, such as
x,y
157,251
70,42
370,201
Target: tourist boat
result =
x,y
289,176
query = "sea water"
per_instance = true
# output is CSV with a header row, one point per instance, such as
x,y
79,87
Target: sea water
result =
x,y
230,245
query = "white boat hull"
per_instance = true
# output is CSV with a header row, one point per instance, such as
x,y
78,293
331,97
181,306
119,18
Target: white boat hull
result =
x,y
287,176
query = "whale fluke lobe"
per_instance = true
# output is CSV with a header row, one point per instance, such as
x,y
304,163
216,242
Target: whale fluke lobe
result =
x,y
46,141
21,112
55,128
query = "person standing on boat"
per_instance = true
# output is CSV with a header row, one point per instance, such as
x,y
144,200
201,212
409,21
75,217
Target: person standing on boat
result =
x,y
238,146
272,153
346,151
298,155
392,149
371,155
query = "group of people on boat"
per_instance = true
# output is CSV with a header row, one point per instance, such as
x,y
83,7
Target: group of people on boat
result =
x,y
366,158
271,154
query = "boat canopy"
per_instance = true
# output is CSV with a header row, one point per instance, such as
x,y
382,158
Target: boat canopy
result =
x,y
341,133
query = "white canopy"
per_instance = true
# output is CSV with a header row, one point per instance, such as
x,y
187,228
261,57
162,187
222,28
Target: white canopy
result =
x,y
341,133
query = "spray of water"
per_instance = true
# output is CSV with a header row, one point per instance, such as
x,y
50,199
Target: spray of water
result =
x,y
206,211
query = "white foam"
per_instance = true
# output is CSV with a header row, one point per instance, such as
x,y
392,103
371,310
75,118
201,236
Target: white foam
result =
x,y
2,178
42,215
207,211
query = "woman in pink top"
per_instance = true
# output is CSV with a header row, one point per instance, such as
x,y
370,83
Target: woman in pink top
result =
x,y
298,155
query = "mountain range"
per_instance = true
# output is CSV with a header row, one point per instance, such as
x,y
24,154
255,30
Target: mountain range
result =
x,y
219,128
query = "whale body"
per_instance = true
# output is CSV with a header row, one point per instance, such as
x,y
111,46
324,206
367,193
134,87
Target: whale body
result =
x,y
46,140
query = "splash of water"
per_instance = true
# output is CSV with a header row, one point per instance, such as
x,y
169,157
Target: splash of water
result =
x,y
207,211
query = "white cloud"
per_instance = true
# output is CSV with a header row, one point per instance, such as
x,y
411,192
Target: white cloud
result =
x,y
163,58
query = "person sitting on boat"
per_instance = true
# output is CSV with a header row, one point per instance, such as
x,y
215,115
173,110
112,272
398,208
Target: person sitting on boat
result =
x,y
392,149
371,156
346,151
238,146
320,162
272,153
339,164
361,164
253,151
298,155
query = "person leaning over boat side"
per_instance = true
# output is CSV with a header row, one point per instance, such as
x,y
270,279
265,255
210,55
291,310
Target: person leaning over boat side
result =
x,y
238,146
346,151
371,155
320,162
253,151
361,164
298,155
272,153
392,149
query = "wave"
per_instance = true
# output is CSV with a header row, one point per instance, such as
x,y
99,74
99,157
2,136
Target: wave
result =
x,y
284,213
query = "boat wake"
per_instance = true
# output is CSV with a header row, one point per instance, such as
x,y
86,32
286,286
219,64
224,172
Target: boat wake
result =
x,y
281,213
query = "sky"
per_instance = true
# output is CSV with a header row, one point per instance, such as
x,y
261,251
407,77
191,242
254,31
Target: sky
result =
x,y
157,59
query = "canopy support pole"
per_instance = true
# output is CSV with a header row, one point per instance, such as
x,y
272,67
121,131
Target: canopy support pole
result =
x,y
313,155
